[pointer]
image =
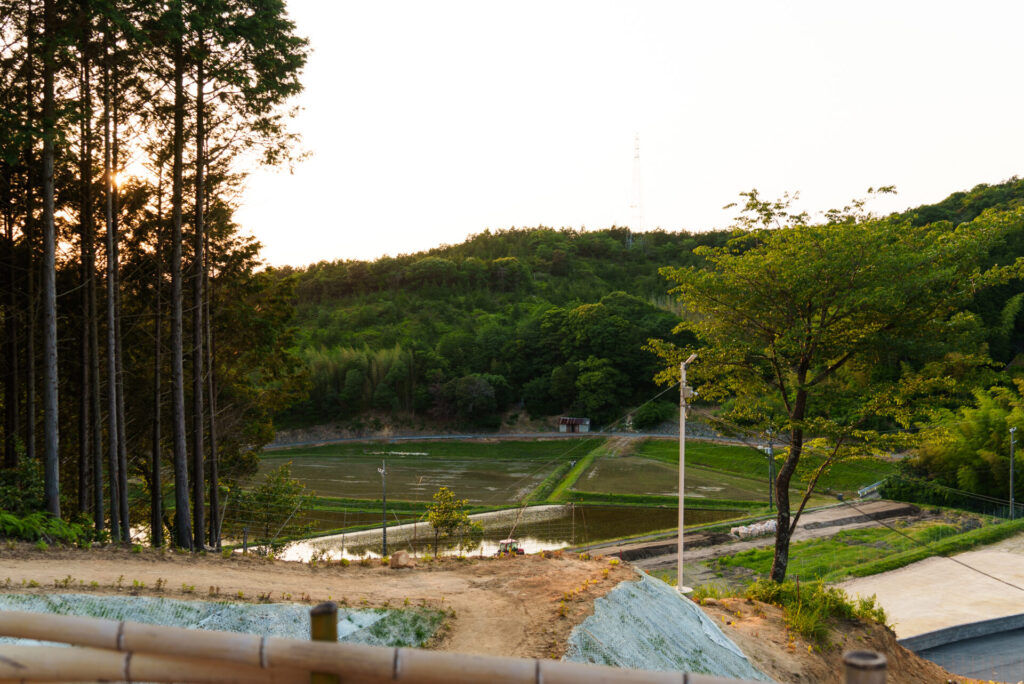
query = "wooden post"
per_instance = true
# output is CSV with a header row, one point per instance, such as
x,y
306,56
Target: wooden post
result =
x,y
323,626
864,667
245,540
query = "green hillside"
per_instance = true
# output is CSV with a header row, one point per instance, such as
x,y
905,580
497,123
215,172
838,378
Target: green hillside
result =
x,y
555,319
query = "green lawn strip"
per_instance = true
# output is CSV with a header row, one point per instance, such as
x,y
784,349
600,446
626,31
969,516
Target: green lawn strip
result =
x,y
868,551
505,450
983,536
561,492
743,460
542,492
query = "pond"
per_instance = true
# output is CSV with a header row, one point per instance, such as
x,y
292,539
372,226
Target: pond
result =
x,y
538,528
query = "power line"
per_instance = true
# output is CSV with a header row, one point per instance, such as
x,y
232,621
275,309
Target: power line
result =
x,y
930,548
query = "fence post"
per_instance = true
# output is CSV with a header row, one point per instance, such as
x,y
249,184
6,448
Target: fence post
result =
x,y
864,667
323,626
245,540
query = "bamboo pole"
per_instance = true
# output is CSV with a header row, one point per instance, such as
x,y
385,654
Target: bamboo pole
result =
x,y
254,658
56,663
323,626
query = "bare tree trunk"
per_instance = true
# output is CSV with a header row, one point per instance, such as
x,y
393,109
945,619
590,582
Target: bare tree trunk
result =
x,y
11,389
30,277
211,385
112,431
122,442
156,481
51,455
182,525
86,497
198,267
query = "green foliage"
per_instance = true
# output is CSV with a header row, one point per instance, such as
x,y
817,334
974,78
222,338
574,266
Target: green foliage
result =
x,y
518,308
272,510
969,450
849,327
41,527
21,488
653,414
448,516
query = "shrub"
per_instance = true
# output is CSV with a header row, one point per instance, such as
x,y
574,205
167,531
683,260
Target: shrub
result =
x,y
653,414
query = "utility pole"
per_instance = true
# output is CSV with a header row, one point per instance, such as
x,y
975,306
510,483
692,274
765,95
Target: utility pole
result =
x,y
383,470
1012,431
771,471
684,394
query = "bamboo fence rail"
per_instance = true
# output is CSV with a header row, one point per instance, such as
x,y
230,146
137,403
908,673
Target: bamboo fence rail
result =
x,y
109,650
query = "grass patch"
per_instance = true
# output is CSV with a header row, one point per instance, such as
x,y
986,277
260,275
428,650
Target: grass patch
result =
x,y
844,476
561,491
811,609
546,488
869,551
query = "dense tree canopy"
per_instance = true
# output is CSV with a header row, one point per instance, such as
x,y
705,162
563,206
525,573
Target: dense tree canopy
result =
x,y
822,330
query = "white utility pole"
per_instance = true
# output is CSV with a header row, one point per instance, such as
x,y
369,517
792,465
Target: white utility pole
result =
x,y
684,394
383,470
1012,431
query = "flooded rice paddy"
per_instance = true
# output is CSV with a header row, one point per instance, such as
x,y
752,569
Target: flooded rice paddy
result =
x,y
638,475
538,528
485,473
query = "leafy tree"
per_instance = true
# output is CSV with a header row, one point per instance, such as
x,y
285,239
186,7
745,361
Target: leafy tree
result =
x,y
447,515
969,449
811,316
272,510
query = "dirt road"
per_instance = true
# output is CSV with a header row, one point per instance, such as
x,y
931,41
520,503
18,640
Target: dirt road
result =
x,y
501,606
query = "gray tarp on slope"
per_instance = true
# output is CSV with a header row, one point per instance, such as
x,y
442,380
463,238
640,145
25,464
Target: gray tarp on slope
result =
x,y
646,625
367,626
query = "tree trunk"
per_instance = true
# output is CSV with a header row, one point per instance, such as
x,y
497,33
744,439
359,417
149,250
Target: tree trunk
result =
x,y
156,481
112,431
198,267
783,518
122,442
30,277
86,497
211,383
182,524
51,454
11,389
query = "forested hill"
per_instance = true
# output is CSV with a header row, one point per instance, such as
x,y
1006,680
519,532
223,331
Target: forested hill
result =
x,y
555,319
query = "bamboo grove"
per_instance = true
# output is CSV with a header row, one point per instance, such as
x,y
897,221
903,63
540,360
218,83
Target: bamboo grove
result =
x,y
143,348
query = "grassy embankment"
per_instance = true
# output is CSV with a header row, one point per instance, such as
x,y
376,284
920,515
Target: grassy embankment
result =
x,y
869,551
844,476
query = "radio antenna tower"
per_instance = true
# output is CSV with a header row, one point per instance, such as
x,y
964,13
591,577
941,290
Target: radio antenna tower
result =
x,y
637,204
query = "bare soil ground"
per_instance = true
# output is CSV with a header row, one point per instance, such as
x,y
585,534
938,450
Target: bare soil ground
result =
x,y
760,631
508,606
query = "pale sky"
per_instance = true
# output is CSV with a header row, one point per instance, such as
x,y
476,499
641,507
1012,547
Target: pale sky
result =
x,y
430,121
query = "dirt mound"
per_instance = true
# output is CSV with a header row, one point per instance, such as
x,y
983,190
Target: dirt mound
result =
x,y
522,606
760,631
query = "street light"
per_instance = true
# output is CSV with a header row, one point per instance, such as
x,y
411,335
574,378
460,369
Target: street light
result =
x,y
684,394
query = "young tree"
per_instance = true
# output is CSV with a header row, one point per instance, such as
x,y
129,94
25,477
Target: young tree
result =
x,y
816,319
447,515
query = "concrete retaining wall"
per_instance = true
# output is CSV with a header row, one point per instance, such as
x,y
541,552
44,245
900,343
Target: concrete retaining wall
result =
x,y
970,630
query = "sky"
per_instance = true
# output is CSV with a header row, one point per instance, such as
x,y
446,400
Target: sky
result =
x,y
426,122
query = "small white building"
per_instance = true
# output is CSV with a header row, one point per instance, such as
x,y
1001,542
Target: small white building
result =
x,y
566,424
